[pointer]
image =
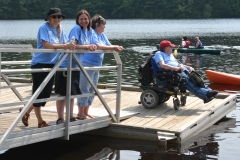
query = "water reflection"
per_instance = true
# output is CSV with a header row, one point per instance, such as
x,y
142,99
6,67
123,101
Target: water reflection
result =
x,y
203,146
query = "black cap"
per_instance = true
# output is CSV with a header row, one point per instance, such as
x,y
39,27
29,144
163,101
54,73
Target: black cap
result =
x,y
54,11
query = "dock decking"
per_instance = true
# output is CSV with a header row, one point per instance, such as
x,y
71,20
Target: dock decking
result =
x,y
161,124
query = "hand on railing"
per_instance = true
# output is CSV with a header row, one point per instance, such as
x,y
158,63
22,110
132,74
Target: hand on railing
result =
x,y
92,47
118,48
70,46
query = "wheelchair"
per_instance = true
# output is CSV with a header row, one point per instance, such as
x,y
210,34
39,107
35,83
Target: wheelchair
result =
x,y
154,94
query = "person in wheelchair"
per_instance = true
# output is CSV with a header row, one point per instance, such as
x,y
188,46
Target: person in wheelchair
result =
x,y
165,59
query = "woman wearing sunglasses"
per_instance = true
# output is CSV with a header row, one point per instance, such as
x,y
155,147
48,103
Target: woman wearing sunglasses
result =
x,y
50,36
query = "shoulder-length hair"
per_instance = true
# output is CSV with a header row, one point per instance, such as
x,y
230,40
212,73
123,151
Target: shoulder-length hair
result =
x,y
83,11
97,20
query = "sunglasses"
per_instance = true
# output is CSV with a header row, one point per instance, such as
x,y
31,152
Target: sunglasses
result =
x,y
54,16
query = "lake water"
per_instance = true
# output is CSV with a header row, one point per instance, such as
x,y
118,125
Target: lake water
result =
x,y
221,141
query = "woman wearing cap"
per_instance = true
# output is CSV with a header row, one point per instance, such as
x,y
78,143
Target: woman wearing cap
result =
x,y
50,36
165,59
91,60
85,38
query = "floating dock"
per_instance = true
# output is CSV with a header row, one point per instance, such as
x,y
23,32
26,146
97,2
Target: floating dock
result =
x,y
162,124
166,124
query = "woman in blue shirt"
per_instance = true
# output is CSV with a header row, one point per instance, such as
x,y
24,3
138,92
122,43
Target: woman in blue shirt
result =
x,y
50,36
90,60
85,38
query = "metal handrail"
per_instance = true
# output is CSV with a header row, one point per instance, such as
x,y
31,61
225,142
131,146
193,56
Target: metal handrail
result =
x,y
68,94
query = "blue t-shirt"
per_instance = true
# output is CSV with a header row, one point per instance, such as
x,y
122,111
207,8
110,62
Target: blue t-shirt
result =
x,y
97,58
83,37
168,59
50,35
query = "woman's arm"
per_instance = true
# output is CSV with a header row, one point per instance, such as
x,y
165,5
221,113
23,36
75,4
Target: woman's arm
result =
x,y
91,47
47,45
111,47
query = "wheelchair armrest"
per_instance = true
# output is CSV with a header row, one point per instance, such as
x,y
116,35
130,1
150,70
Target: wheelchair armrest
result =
x,y
163,70
167,70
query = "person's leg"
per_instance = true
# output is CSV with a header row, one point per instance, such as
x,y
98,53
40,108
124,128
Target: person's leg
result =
x,y
71,108
60,89
41,122
195,90
94,77
29,110
86,109
84,86
60,107
26,117
37,111
81,113
75,90
46,93
37,79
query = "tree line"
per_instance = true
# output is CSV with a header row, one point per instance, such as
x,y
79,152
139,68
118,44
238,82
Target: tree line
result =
x,y
123,9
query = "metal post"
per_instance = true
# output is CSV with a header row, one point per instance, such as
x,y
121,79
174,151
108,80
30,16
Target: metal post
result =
x,y
0,69
119,84
30,102
13,89
68,94
118,100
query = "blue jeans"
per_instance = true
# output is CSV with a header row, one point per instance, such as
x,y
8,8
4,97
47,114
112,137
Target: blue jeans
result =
x,y
85,87
191,87
195,90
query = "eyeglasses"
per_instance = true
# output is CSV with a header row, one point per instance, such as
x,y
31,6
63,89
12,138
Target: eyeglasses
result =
x,y
54,16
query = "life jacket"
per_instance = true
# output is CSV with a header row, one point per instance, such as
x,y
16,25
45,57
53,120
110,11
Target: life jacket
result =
x,y
200,44
188,43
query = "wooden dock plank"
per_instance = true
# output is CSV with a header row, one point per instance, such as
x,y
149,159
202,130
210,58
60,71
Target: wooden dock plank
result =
x,y
165,117
156,114
173,114
187,115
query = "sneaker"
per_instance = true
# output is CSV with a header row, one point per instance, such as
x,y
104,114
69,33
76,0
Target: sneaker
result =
x,y
59,121
25,119
43,124
73,119
206,100
212,93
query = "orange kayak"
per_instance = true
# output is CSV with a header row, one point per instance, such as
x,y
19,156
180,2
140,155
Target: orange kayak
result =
x,y
223,78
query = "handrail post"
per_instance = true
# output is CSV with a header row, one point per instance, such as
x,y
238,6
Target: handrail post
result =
x,y
68,94
119,83
0,70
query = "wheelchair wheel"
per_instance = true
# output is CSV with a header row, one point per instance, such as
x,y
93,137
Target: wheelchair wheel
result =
x,y
149,99
183,100
176,103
